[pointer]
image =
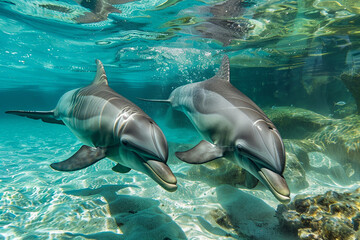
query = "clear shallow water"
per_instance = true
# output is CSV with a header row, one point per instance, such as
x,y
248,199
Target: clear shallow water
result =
x,y
97,203
290,54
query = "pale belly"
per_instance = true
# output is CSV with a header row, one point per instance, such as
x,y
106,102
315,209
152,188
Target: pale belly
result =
x,y
214,128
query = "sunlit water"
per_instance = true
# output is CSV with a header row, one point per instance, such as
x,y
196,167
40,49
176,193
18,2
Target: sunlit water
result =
x,y
286,53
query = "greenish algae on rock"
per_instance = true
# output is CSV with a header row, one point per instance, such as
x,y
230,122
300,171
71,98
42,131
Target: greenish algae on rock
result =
x,y
307,133
294,173
352,82
337,138
341,139
217,172
297,123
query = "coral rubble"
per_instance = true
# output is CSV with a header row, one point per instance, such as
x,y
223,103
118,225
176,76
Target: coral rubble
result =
x,y
329,216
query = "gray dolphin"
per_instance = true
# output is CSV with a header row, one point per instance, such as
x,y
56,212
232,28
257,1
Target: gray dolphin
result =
x,y
110,126
233,127
224,30
100,9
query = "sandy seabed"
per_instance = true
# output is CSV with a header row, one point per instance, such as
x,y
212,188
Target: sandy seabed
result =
x,y
37,202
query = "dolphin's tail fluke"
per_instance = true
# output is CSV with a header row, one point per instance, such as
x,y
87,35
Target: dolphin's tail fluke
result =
x,y
155,100
47,116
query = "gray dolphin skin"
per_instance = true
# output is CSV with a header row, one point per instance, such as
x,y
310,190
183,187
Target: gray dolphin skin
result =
x,y
100,9
233,127
110,126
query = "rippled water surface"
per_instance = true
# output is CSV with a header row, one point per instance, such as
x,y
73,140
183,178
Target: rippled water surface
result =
x,y
298,60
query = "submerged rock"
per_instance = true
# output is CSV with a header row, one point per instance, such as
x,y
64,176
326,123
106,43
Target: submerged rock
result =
x,y
329,216
344,111
294,173
340,140
217,172
297,123
326,146
308,131
352,82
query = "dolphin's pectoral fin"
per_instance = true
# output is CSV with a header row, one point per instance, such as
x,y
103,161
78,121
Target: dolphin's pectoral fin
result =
x,y
201,153
84,157
250,180
45,116
120,168
88,17
112,9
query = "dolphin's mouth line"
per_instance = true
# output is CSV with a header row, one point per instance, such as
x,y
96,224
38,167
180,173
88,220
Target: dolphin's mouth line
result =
x,y
154,166
254,159
169,186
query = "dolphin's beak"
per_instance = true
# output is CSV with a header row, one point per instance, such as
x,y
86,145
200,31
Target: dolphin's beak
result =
x,y
162,174
157,155
271,167
145,138
276,184
268,169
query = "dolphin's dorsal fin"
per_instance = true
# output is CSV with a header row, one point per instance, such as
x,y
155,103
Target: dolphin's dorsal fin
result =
x,y
100,77
224,71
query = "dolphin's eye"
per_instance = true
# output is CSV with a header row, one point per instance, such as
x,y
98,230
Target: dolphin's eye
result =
x,y
270,128
125,142
243,150
239,148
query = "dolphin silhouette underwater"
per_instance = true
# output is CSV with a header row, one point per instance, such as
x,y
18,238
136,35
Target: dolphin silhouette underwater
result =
x,y
233,127
110,126
99,9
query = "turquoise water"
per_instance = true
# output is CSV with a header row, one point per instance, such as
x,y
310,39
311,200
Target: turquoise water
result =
x,y
288,54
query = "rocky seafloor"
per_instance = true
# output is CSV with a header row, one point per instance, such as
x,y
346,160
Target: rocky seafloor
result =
x,y
329,216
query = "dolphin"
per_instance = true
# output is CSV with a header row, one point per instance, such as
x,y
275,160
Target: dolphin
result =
x,y
110,126
225,25
224,30
100,9
222,21
233,127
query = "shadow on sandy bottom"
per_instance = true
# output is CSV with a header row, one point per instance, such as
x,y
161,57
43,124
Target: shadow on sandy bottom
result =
x,y
249,216
138,218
